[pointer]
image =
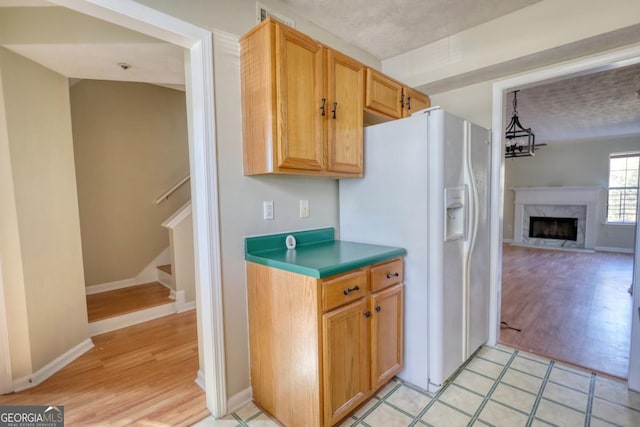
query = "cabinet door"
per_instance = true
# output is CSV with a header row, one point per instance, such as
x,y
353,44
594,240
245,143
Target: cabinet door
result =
x,y
345,97
414,101
386,334
345,351
300,83
383,95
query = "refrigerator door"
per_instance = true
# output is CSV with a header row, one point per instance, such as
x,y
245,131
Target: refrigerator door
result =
x,y
446,256
477,265
388,206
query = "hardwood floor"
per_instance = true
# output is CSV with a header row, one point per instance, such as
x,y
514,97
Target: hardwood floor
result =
x,y
571,306
140,375
122,301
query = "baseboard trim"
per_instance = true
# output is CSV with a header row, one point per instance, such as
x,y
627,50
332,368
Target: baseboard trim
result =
x,y
239,400
200,380
111,286
181,304
507,240
611,249
52,367
187,306
130,319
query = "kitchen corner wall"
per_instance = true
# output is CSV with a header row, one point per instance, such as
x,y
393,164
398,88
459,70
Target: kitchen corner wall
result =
x,y
241,200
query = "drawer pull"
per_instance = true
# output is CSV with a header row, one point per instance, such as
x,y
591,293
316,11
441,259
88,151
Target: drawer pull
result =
x,y
378,308
389,275
367,314
348,291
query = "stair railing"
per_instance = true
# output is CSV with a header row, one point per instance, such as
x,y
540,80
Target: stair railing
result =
x,y
170,191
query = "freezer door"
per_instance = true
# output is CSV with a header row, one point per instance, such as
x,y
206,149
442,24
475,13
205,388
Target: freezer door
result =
x,y
477,268
446,256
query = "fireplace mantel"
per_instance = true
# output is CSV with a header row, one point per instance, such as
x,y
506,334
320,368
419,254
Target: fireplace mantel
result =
x,y
589,197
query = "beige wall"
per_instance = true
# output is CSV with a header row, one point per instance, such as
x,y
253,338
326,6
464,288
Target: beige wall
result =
x,y
130,142
241,209
577,163
10,252
36,102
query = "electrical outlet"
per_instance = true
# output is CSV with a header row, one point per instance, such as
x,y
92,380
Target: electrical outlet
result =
x,y
267,209
304,209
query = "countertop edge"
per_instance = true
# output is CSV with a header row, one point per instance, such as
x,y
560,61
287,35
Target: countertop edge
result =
x,y
327,271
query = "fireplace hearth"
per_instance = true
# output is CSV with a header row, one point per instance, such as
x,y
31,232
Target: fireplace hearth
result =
x,y
545,227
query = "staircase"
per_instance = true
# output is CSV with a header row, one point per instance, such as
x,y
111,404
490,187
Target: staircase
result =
x,y
111,310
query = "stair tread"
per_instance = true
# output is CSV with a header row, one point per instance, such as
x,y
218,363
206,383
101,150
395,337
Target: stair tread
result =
x,y
165,268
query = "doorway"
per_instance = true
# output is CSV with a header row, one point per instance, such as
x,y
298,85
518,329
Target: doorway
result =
x,y
500,89
198,44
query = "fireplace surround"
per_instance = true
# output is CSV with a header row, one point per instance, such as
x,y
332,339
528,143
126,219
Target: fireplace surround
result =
x,y
579,204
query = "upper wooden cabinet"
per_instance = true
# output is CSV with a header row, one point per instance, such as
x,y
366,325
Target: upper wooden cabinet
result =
x,y
302,105
387,98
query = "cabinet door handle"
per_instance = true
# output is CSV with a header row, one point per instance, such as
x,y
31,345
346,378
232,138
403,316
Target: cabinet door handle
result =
x,y
402,101
389,275
324,113
335,107
378,308
367,314
408,103
349,290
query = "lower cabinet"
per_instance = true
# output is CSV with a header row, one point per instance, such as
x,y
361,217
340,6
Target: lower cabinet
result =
x,y
321,347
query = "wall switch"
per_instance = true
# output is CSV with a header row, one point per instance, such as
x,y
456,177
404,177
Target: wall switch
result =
x,y
304,209
267,209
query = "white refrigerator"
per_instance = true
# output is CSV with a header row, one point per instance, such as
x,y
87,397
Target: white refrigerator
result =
x,y
426,189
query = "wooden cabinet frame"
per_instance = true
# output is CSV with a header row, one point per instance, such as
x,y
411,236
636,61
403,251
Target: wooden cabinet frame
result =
x,y
315,359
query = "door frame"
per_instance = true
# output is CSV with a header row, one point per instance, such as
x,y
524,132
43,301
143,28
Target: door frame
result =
x,y
198,45
606,61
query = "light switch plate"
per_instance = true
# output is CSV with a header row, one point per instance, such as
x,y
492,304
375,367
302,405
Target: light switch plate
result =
x,y
267,209
304,209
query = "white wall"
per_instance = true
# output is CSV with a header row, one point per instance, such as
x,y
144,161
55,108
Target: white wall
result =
x,y
545,33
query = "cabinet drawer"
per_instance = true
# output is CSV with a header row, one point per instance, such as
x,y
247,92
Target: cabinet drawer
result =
x,y
343,289
387,274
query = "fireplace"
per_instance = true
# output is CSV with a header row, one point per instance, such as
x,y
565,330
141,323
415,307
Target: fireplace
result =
x,y
546,227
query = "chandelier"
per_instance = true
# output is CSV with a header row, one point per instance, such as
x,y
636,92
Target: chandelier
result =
x,y
520,141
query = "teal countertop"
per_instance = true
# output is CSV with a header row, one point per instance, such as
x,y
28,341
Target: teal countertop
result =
x,y
317,254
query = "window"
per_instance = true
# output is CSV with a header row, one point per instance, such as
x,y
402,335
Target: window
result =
x,y
623,188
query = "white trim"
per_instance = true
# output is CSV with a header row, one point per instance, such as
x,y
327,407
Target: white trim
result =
x,y
180,215
181,304
507,240
240,399
200,380
203,165
150,272
612,249
634,356
110,286
554,248
610,60
130,319
6,373
52,367
165,279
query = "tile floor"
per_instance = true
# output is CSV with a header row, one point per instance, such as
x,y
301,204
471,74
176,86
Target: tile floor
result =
x,y
497,387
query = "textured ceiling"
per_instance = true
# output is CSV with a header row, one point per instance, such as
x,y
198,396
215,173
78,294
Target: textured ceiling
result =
x,y
389,28
590,106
